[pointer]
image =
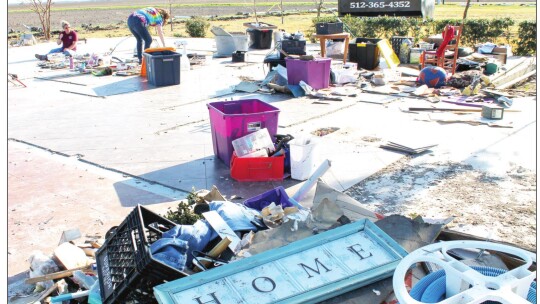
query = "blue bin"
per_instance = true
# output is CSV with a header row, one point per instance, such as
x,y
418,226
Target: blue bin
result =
x,y
162,68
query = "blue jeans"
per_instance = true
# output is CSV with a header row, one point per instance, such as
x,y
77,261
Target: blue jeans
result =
x,y
141,33
68,53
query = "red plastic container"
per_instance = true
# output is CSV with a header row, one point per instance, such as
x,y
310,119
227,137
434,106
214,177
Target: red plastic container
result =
x,y
230,120
257,169
314,72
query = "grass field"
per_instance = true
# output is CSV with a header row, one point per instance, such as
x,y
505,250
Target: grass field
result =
x,y
112,17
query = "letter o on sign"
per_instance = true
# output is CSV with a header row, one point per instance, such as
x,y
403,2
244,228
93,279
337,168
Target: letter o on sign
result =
x,y
265,286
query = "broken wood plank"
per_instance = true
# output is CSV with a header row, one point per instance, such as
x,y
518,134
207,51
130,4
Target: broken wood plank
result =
x,y
514,72
47,292
55,275
517,80
215,253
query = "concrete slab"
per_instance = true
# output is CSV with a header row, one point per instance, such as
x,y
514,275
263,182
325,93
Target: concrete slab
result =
x,y
50,193
153,145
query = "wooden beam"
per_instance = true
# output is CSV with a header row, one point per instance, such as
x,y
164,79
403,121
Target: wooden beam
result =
x,y
517,80
55,275
47,292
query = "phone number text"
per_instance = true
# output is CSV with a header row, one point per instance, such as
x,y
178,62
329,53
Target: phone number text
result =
x,y
380,4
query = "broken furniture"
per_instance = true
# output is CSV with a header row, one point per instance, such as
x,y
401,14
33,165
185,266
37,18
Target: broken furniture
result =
x,y
445,56
323,38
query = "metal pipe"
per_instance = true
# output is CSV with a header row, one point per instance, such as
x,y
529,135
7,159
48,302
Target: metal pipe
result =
x,y
311,181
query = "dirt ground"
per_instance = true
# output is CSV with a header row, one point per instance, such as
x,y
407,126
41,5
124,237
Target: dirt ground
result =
x,y
116,16
497,207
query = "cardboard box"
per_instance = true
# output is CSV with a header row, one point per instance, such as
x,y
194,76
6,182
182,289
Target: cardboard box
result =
x,y
501,49
499,57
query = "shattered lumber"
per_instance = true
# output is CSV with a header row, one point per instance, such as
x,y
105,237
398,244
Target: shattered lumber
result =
x,y
47,292
55,275
515,81
521,68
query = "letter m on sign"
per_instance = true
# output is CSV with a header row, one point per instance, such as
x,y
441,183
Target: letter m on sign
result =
x,y
317,271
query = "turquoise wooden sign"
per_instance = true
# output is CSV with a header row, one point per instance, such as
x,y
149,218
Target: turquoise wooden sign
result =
x,y
307,271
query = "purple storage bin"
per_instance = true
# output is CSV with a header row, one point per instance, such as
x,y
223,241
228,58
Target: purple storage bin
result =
x,y
314,72
230,120
276,195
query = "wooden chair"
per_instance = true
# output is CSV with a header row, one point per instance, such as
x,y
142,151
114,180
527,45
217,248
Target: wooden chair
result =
x,y
447,59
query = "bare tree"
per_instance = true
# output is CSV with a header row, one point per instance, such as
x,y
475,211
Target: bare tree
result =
x,y
170,12
319,4
255,11
43,9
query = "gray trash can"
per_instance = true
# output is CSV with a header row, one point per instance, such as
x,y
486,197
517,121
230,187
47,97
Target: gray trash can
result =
x,y
226,45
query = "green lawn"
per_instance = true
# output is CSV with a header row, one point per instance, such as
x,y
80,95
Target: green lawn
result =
x,y
303,21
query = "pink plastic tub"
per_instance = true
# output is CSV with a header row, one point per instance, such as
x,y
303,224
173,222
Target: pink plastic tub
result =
x,y
314,72
230,120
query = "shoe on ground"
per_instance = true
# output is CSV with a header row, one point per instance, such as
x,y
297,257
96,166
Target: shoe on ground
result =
x,y
41,57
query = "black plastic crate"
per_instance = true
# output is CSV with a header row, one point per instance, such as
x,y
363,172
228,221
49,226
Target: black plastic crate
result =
x,y
293,47
126,269
365,52
396,42
327,28
239,56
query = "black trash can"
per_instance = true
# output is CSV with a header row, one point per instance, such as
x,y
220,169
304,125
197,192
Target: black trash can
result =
x,y
260,38
365,52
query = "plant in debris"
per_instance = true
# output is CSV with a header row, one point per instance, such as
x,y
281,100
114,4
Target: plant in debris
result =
x,y
197,27
527,38
184,214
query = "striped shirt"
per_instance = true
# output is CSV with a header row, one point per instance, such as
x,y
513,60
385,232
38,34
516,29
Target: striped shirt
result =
x,y
149,16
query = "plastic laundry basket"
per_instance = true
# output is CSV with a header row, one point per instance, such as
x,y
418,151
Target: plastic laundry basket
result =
x,y
230,120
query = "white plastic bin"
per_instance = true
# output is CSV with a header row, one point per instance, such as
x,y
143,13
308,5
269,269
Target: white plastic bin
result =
x,y
226,45
304,155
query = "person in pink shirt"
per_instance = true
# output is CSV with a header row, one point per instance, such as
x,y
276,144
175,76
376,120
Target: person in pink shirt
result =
x,y
67,38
